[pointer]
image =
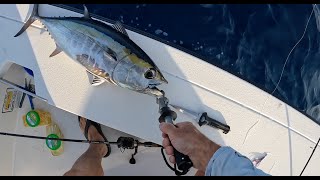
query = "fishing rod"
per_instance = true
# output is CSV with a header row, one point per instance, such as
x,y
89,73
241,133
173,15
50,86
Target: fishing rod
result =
x,y
122,142
56,139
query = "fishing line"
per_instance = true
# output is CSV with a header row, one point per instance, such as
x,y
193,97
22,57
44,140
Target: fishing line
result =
x,y
314,149
282,71
285,63
287,59
281,75
174,168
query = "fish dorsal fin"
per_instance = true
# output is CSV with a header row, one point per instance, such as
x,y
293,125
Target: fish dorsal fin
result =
x,y
94,79
119,27
56,51
86,13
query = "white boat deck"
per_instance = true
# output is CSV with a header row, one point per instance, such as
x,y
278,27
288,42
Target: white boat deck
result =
x,y
259,122
31,156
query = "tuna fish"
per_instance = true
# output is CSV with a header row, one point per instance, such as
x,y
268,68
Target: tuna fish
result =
x,y
107,52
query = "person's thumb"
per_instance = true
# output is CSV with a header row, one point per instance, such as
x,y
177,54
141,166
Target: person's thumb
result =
x,y
167,128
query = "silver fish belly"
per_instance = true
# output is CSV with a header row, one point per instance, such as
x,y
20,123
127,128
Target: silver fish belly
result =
x,y
86,45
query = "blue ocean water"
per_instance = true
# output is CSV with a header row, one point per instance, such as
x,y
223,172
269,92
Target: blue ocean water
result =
x,y
251,41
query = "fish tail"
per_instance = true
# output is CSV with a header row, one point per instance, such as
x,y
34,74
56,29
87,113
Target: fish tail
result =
x,y
34,15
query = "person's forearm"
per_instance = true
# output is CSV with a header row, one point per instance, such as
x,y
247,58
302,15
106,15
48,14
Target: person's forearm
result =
x,y
199,173
203,152
205,155
228,162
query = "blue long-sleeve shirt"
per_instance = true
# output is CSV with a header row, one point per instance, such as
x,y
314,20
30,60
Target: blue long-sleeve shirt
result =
x,y
228,162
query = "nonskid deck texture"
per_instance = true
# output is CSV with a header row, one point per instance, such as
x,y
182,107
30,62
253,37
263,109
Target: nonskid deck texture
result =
x,y
259,122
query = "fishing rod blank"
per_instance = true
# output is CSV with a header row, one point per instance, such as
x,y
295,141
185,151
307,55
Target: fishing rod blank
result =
x,y
56,139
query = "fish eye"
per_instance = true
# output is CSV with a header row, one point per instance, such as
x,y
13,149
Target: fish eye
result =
x,y
150,73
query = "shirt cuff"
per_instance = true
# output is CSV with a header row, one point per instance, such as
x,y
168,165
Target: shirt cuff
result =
x,y
220,151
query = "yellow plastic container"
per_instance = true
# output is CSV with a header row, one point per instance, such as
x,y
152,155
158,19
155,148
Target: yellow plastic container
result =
x,y
36,118
55,146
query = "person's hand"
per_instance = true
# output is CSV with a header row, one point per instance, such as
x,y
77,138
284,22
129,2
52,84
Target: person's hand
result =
x,y
188,140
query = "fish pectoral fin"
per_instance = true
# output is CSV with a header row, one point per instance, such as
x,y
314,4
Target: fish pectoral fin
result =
x,y
119,27
56,51
94,79
86,13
